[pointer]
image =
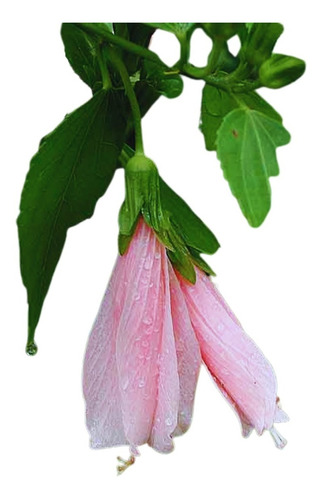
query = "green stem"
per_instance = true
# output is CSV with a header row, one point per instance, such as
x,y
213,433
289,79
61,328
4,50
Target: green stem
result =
x,y
202,73
106,36
186,69
136,113
126,154
214,56
106,80
184,52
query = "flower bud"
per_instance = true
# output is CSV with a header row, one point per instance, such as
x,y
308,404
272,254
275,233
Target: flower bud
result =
x,y
261,41
221,30
280,70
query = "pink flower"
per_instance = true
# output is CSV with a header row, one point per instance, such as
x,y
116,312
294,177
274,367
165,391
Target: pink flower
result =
x,y
238,367
142,359
143,356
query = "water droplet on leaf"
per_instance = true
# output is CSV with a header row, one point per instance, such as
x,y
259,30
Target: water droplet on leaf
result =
x,y
31,349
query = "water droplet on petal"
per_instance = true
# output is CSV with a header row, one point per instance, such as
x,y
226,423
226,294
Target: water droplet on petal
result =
x,y
147,263
147,320
141,383
168,421
125,384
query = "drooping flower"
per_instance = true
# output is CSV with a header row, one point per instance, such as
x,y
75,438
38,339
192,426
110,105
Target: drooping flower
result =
x,y
142,359
144,353
238,367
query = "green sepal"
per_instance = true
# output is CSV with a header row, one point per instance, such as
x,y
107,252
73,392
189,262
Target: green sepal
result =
x,y
184,265
194,232
124,240
200,262
280,70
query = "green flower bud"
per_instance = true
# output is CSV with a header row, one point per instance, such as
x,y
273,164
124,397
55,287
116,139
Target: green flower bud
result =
x,y
260,42
280,70
221,30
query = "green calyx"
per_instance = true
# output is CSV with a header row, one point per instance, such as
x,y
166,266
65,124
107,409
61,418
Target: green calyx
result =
x,y
143,199
142,195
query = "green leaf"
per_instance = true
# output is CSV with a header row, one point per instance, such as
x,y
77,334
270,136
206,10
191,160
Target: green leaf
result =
x,y
246,144
161,80
138,33
69,173
80,52
99,29
195,233
217,103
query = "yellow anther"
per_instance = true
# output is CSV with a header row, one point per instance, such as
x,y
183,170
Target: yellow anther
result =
x,y
125,464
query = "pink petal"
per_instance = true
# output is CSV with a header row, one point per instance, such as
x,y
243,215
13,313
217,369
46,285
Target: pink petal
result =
x,y
188,354
166,412
139,335
100,378
237,365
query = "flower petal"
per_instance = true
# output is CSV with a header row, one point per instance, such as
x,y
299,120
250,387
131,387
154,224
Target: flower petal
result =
x,y
188,354
139,335
100,378
237,365
166,412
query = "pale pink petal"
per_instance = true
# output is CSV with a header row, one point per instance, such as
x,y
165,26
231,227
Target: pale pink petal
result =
x,y
166,412
188,354
100,378
139,335
237,365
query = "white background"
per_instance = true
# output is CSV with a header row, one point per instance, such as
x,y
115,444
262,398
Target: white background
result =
x,y
271,276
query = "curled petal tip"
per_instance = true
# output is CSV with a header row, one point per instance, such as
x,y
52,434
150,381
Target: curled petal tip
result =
x,y
279,440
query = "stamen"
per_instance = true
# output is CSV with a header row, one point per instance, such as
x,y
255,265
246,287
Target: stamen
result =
x,y
125,464
279,440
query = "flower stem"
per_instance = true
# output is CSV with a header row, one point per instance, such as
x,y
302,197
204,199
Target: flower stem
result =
x,y
136,113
